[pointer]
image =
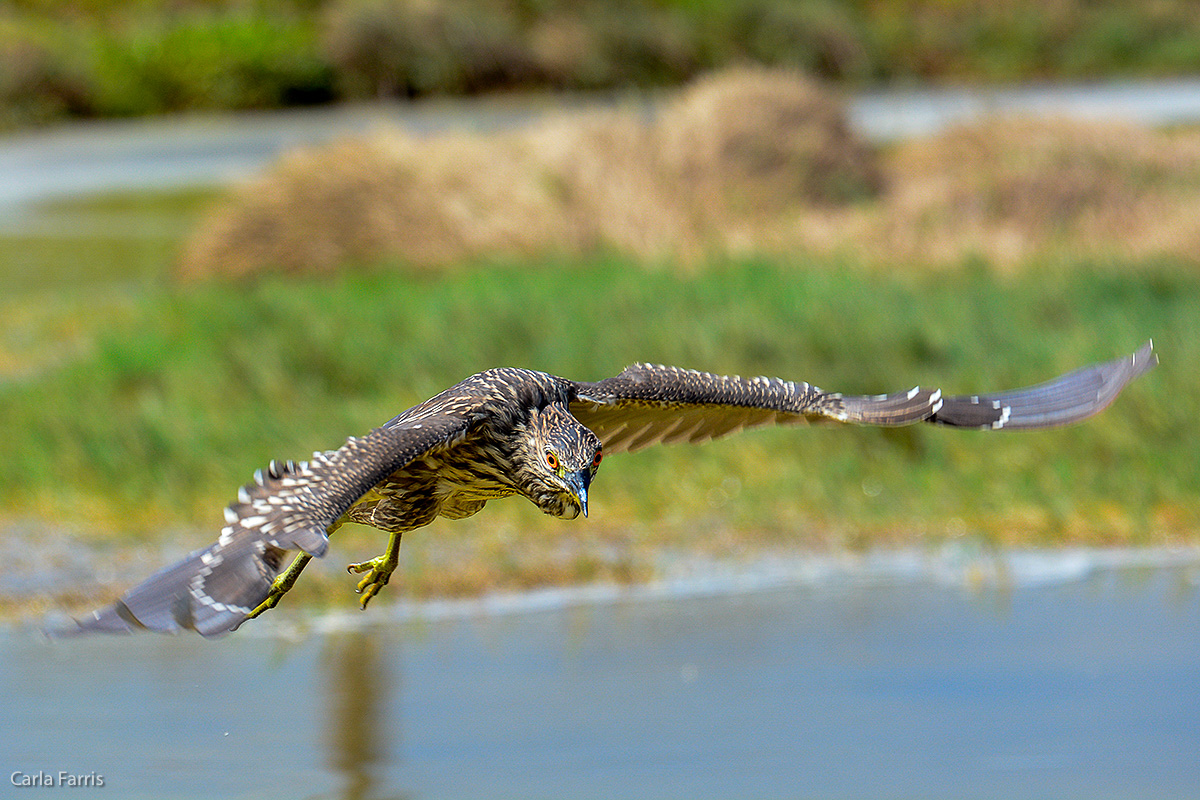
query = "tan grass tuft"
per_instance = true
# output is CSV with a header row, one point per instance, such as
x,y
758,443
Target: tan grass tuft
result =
x,y
1012,189
608,176
428,202
722,154
755,141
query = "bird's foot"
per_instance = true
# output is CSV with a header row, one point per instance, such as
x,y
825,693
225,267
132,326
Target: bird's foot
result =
x,y
379,570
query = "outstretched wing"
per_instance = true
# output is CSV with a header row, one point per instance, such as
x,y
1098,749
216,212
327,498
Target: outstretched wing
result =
x,y
647,404
288,507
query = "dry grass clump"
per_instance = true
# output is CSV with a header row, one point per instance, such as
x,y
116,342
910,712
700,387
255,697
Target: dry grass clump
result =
x,y
430,201
1009,190
608,178
718,156
760,141
721,154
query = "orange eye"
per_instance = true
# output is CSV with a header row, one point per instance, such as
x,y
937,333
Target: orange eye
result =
x,y
596,459
551,459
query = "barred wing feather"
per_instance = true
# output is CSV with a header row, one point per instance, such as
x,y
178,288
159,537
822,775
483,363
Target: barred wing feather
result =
x,y
648,404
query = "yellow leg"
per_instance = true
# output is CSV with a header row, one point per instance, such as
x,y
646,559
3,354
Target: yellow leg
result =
x,y
282,584
379,569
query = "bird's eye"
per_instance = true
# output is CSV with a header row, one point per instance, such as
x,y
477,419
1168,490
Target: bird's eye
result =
x,y
551,459
596,459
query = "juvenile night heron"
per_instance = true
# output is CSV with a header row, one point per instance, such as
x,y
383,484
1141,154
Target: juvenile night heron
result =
x,y
516,432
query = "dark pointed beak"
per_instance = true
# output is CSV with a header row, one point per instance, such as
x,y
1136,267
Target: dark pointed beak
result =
x,y
579,482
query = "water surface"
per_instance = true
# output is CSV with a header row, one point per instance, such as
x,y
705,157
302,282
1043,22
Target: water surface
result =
x,y
878,683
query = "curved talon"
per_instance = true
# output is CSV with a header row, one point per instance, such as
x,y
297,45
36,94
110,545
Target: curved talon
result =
x,y
379,571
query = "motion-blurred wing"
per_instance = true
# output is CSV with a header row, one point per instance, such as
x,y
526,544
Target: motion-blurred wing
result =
x,y
289,507
1062,401
647,404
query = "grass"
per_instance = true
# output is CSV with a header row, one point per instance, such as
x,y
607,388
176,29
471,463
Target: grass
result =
x,y
131,408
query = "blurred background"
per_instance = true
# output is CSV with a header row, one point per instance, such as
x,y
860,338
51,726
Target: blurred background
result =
x,y
237,231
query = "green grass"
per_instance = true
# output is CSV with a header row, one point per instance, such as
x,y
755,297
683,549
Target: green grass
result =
x,y
122,242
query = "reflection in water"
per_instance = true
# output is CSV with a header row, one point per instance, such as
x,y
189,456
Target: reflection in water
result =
x,y
358,686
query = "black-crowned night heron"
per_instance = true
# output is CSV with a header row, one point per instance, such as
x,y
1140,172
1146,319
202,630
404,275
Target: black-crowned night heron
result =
x,y
516,432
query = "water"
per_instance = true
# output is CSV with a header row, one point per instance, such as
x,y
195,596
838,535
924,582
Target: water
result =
x,y
890,115
868,683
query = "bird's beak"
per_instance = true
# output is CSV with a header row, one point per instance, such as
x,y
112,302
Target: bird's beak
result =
x,y
579,482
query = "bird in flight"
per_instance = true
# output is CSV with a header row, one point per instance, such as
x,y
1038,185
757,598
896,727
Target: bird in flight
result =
x,y
518,432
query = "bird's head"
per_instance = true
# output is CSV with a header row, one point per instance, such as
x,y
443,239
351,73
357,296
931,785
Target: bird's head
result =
x,y
560,457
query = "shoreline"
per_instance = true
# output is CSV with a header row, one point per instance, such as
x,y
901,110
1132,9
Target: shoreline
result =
x,y
968,567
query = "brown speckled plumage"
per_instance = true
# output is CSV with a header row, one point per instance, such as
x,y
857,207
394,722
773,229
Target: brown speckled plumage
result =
x,y
517,432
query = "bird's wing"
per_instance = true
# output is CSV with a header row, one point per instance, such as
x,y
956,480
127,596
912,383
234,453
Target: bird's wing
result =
x,y
1064,400
647,404
288,507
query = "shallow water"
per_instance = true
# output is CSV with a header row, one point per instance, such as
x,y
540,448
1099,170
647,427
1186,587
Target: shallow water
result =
x,y
1073,677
